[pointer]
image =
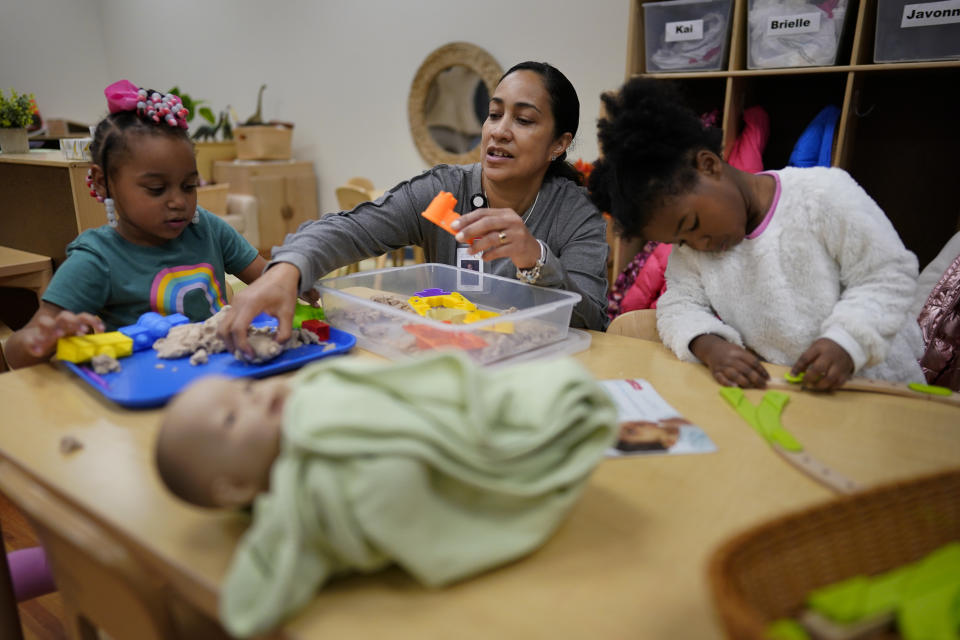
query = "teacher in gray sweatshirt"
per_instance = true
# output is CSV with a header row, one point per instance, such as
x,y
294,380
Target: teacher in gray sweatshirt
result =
x,y
534,223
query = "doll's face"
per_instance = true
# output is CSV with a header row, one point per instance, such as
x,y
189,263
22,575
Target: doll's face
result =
x,y
220,437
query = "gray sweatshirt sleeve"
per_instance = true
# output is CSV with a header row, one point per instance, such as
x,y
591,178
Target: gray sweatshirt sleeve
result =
x,y
373,228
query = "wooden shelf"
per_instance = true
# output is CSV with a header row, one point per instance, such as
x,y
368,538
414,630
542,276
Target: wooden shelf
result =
x,y
861,68
897,127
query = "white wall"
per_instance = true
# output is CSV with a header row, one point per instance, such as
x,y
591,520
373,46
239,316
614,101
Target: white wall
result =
x,y
339,69
54,49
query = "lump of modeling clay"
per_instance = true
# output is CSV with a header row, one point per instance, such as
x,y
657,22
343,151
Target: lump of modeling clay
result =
x,y
69,444
264,348
199,340
104,364
186,339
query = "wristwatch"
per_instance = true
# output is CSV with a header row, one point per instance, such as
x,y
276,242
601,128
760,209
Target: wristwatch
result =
x,y
531,275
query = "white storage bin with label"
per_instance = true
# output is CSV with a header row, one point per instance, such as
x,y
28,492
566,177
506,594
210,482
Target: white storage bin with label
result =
x,y
686,35
794,33
908,30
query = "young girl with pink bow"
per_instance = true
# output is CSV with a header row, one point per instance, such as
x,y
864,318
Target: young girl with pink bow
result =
x,y
158,251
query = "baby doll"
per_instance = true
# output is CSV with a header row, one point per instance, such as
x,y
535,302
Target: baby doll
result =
x,y
439,465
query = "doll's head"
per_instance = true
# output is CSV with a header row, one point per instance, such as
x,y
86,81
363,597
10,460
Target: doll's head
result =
x,y
661,175
219,438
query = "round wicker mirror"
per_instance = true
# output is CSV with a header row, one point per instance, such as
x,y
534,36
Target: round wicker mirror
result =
x,y
448,102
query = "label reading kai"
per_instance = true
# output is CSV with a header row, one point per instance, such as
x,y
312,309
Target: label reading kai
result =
x,y
684,30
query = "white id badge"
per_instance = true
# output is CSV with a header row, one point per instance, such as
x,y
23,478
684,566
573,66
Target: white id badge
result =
x,y
470,276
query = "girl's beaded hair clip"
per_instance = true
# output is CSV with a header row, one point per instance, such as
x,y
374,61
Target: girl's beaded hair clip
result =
x,y
123,95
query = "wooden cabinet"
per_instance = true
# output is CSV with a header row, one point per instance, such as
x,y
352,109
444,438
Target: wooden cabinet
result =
x,y
286,193
898,126
45,202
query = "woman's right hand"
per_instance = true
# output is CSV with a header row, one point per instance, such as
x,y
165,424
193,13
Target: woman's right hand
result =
x,y
37,341
730,364
274,293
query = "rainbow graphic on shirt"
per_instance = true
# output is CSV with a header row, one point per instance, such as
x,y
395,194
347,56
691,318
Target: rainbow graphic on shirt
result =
x,y
171,285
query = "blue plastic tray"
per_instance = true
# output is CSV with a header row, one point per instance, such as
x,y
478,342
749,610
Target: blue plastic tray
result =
x,y
142,384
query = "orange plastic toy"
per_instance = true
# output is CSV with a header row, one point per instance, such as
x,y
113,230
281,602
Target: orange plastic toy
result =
x,y
441,213
430,338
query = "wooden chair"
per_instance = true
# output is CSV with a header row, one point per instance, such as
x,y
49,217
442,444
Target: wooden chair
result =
x,y
641,323
103,585
348,197
363,183
356,191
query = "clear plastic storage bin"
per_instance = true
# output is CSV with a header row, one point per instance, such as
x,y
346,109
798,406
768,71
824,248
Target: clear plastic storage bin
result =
x,y
908,30
788,33
368,305
686,35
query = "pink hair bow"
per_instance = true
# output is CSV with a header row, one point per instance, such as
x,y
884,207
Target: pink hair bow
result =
x,y
123,95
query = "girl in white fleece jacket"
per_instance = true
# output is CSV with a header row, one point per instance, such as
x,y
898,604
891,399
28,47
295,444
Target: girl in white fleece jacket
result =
x,y
797,267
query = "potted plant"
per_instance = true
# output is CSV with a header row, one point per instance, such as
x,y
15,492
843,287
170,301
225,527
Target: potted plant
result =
x,y
16,113
208,148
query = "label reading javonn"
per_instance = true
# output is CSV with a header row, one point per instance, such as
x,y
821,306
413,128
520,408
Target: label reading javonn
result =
x,y
930,14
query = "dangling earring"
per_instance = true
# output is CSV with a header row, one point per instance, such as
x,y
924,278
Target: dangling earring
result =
x,y
111,212
196,216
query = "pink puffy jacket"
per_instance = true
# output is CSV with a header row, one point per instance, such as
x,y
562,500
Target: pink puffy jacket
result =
x,y
940,323
649,283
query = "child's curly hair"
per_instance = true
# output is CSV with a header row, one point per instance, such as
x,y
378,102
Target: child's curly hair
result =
x,y
648,144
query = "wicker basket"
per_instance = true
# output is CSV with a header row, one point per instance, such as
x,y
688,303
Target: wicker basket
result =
x,y
766,573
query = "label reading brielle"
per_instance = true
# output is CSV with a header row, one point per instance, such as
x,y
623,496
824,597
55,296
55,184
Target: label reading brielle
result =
x,y
793,24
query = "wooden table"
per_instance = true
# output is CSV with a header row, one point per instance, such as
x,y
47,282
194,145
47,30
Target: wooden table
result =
x,y
25,269
45,202
629,562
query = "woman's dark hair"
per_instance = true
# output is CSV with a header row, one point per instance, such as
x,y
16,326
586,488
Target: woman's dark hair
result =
x,y
648,145
112,135
566,111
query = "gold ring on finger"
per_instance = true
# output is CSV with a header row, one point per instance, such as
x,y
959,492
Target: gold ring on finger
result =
x,y
503,237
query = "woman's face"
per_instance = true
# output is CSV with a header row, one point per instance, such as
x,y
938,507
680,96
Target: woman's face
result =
x,y
517,139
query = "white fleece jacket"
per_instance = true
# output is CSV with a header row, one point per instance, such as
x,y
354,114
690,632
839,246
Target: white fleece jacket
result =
x,y
828,265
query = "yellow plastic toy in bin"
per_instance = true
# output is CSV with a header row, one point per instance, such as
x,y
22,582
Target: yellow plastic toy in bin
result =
x,y
483,314
448,301
79,349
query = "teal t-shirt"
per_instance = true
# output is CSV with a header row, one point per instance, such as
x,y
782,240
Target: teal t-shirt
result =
x,y
108,276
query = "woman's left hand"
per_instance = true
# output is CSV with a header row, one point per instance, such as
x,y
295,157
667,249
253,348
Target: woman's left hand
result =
x,y
498,233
